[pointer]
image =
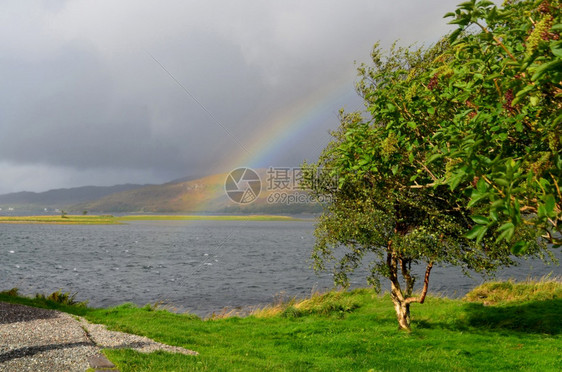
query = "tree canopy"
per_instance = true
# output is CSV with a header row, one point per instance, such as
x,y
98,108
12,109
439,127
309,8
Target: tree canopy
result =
x,y
459,160
500,88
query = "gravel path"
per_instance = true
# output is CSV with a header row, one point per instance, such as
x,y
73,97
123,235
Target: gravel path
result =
x,y
33,339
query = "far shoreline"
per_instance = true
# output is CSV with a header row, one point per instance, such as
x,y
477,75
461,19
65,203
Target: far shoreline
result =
x,y
68,219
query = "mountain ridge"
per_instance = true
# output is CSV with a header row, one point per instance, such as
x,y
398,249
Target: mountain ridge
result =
x,y
184,195
61,197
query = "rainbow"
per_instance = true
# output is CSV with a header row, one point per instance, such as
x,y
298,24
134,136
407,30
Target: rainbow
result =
x,y
289,124
285,127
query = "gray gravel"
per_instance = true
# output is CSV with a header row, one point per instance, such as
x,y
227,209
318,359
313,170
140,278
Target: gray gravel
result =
x,y
33,339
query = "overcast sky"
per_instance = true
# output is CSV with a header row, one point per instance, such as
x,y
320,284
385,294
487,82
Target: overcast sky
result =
x,y
131,91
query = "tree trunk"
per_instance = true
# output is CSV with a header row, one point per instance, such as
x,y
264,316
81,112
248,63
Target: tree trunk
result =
x,y
402,314
401,306
401,299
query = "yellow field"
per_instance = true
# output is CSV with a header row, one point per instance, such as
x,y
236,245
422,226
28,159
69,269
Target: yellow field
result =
x,y
110,220
66,220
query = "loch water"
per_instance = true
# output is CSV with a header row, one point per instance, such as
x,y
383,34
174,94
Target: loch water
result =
x,y
196,266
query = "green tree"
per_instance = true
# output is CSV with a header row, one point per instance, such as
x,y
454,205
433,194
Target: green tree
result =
x,y
409,189
500,90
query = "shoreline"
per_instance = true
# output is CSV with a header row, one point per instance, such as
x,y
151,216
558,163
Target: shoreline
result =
x,y
322,331
115,220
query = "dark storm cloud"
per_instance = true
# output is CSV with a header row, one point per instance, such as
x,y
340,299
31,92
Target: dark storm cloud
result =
x,y
67,110
82,100
64,112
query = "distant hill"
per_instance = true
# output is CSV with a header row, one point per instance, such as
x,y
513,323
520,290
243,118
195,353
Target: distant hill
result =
x,y
177,196
205,194
61,198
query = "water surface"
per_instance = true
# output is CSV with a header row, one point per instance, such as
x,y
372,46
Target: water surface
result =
x,y
198,266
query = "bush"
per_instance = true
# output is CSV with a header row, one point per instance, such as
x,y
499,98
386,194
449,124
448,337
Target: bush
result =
x,y
63,298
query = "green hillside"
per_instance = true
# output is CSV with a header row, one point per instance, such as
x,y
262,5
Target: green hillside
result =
x,y
206,194
60,198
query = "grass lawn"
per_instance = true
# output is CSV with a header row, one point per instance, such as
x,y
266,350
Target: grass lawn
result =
x,y
501,326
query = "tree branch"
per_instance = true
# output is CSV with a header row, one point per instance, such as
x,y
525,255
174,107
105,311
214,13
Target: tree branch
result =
x,y
427,170
407,276
393,277
556,184
417,186
421,299
498,41
492,184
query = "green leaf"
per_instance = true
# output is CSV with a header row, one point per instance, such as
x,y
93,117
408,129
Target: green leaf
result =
x,y
501,182
464,21
454,35
476,231
390,107
523,92
534,100
519,247
544,182
505,226
498,204
412,125
502,136
549,205
481,233
476,198
507,230
468,5
545,67
431,110
434,157
455,180
541,211
481,220
556,48
492,15
481,185
484,3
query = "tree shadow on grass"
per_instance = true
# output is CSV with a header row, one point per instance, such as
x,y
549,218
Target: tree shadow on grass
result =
x,y
540,317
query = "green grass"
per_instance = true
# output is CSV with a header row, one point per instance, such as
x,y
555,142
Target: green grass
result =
x,y
507,292
55,301
349,331
111,220
206,218
60,220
